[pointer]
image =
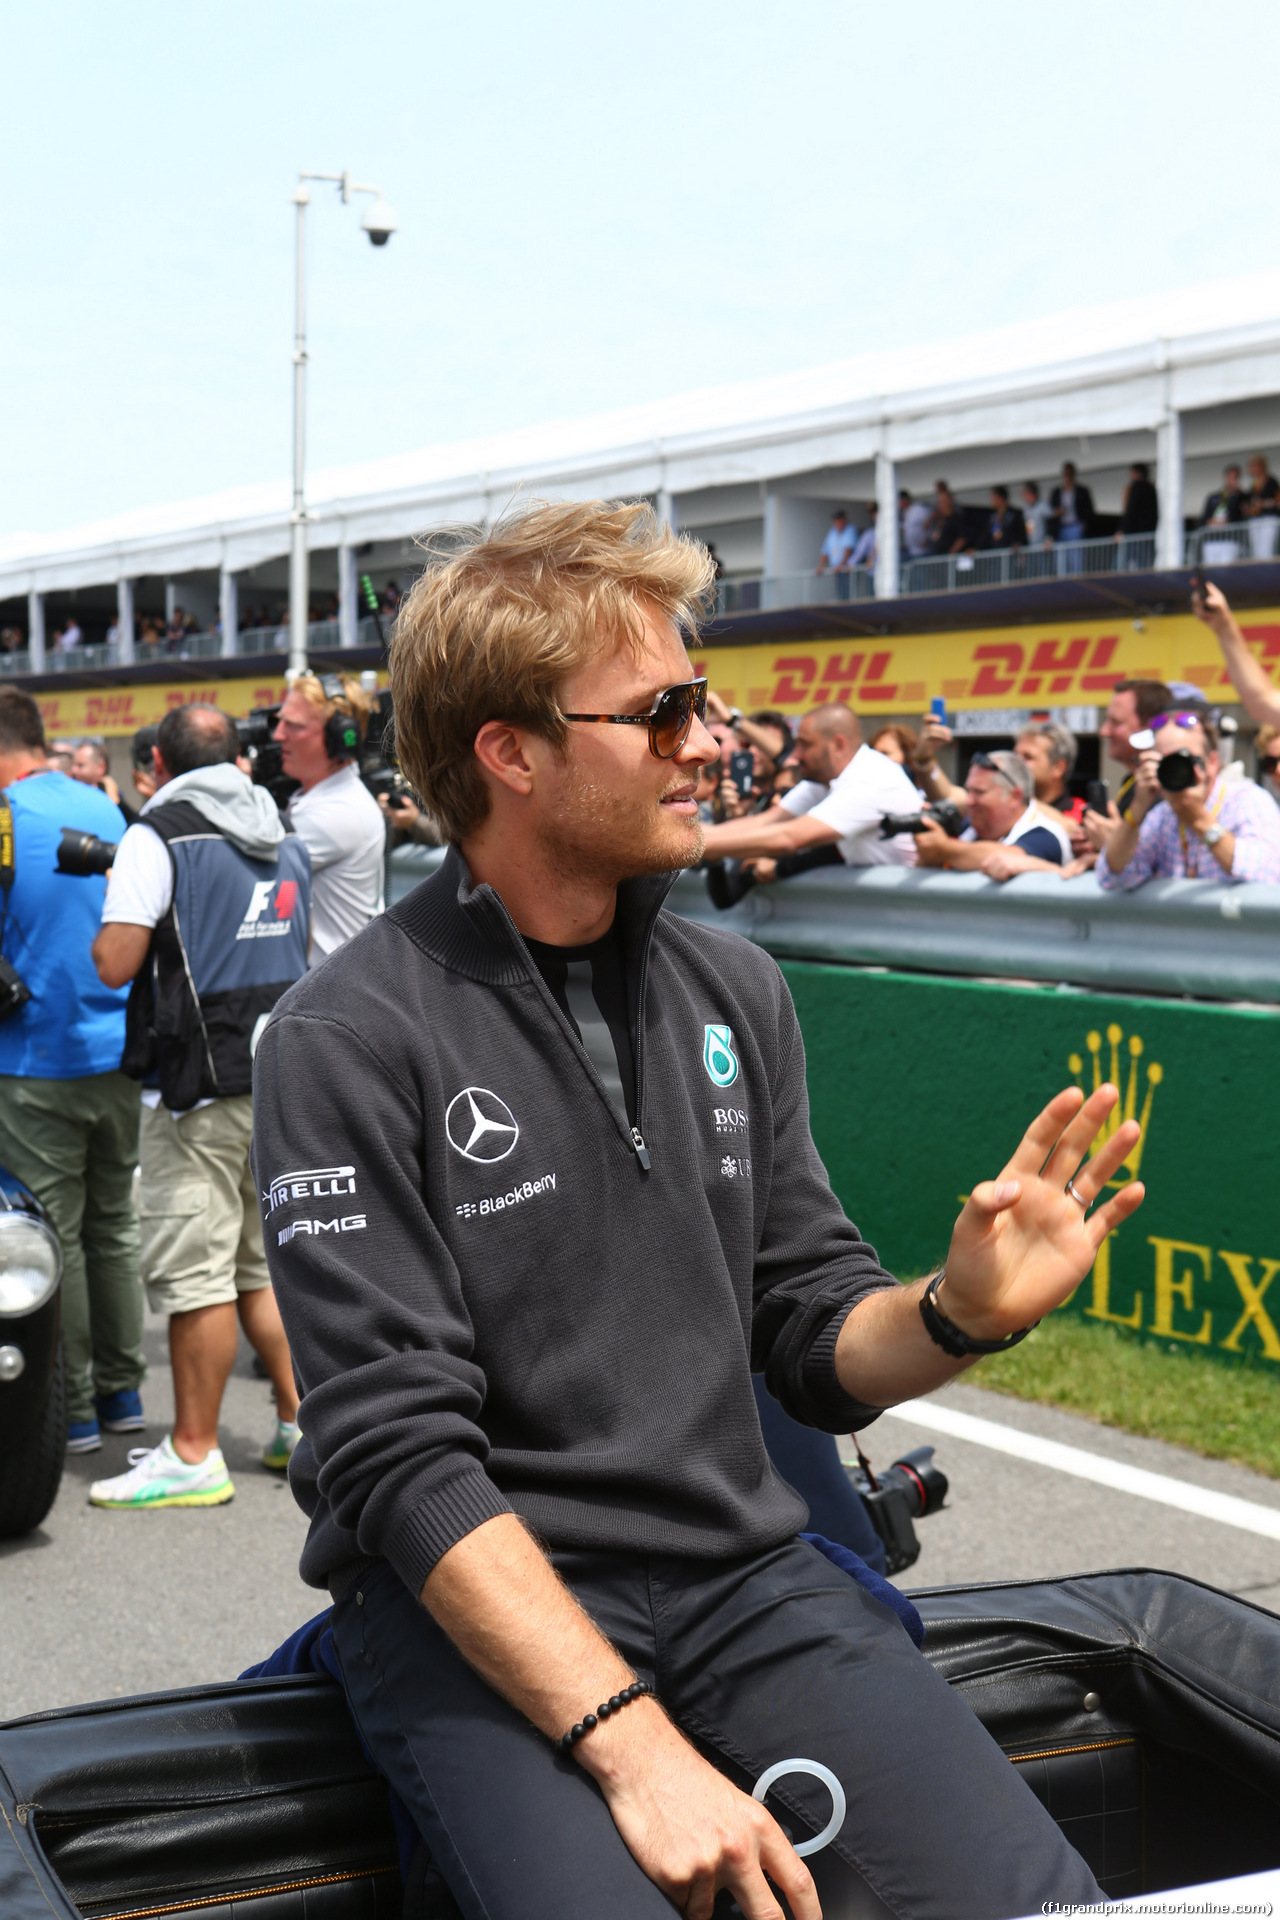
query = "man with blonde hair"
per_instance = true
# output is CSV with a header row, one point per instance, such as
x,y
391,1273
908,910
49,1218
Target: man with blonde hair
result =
x,y
321,726
539,1194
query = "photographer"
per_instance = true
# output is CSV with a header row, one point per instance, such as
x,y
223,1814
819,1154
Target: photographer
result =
x,y
335,816
206,914
1008,831
840,803
1184,821
68,1115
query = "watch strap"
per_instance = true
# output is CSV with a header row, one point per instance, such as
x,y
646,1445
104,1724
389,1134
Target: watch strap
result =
x,y
952,1339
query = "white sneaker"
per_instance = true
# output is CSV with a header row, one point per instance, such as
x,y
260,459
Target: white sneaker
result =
x,y
279,1449
158,1478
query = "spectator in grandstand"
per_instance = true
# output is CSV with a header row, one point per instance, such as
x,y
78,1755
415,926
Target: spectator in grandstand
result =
x,y
714,558
1035,513
1211,830
838,545
335,816
864,550
1134,705
846,792
1263,498
1140,508
1049,749
946,528
914,516
68,637
1070,508
1006,527
1226,505
12,639
1008,831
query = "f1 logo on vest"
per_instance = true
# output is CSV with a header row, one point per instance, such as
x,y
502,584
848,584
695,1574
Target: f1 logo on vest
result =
x,y
254,926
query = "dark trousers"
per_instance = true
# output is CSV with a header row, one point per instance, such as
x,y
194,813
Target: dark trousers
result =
x,y
759,1659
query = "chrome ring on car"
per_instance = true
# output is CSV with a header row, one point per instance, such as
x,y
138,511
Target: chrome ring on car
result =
x,y
30,1264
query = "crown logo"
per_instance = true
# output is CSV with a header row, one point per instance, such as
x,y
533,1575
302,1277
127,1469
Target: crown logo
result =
x,y
1126,1108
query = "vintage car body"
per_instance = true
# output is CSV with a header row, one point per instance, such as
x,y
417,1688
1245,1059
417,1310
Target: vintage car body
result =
x,y
33,1428
1144,1710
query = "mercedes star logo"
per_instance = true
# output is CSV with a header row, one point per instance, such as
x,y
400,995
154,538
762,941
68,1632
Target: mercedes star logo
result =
x,y
480,1126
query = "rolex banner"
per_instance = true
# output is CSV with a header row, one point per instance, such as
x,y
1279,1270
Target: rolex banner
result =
x,y
920,1087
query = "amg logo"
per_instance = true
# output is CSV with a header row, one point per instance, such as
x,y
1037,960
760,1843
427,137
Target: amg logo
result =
x,y
729,1119
349,1223
312,1183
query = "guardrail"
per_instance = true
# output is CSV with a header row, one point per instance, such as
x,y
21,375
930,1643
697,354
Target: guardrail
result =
x,y
1220,546
1169,937
766,592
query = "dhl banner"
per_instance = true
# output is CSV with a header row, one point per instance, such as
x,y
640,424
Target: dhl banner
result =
x,y
123,709
1073,663
1070,664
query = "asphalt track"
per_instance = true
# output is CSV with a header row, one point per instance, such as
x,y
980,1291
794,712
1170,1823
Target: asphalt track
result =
x,y
99,1604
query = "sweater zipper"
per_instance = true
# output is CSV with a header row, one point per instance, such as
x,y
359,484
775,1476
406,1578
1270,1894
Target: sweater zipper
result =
x,y
637,1141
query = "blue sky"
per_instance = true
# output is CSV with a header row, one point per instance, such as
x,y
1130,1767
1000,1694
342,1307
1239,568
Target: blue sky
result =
x,y
599,206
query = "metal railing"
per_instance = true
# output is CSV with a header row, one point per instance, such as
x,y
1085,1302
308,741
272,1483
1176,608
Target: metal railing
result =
x,y
766,592
1175,937
323,636
1221,546
1003,565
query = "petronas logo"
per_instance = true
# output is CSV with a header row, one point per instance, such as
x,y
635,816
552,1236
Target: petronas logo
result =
x,y
718,1056
1126,1108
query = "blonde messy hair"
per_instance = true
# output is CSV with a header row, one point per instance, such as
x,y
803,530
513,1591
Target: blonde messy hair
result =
x,y
499,622
353,700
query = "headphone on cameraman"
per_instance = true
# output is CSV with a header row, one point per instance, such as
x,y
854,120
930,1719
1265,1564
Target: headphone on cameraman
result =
x,y
341,730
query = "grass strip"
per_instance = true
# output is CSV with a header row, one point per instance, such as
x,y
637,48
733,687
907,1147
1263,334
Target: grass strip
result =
x,y
1225,1413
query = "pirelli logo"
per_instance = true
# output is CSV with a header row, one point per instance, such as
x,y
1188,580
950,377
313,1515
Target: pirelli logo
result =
x,y
311,1183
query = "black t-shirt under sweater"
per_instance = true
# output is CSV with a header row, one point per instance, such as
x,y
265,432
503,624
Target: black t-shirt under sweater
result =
x,y
589,985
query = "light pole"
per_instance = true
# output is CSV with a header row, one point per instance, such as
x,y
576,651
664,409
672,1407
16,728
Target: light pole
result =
x,y
379,223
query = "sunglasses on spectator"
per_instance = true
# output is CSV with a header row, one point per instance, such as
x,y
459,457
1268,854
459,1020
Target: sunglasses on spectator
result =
x,y
1179,719
670,719
1269,762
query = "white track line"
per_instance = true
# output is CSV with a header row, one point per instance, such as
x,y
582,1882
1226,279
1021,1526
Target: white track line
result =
x,y
1162,1487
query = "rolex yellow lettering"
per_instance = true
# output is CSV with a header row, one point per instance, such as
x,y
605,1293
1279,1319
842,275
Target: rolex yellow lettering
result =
x,y
1177,1284
1238,1265
1101,1307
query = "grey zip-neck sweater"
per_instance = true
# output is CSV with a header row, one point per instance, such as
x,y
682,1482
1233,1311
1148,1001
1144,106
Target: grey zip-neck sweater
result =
x,y
499,1297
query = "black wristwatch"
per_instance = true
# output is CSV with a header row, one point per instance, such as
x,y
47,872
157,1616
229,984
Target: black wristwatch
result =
x,y
952,1339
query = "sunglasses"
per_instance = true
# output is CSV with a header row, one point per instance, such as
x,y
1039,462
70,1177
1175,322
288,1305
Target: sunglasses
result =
x,y
669,720
1180,719
1269,762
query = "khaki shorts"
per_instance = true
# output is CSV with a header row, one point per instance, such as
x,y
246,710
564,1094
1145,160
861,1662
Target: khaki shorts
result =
x,y
198,1207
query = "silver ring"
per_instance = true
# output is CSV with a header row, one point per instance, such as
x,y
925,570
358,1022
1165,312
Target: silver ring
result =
x,y
1076,1195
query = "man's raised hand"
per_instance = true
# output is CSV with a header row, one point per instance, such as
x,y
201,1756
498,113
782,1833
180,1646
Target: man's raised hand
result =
x,y
1023,1242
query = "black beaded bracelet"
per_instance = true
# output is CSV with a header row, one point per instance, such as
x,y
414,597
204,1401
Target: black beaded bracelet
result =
x,y
614,1704
952,1339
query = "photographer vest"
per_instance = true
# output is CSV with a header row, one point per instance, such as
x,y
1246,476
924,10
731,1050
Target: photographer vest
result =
x,y
232,941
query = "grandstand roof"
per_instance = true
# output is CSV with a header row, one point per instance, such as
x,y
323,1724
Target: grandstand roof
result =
x,y
1089,370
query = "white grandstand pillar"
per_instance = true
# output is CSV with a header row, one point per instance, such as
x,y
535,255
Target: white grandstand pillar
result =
x,y
35,630
886,527
124,621
1171,539
665,507
348,601
229,611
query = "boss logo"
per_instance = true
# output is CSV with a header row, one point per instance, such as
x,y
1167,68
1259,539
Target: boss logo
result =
x,y
729,1119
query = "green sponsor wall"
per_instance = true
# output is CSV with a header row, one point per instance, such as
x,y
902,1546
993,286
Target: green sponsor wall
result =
x,y
921,1086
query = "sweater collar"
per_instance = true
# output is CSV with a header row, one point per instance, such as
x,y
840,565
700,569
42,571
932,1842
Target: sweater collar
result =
x,y
467,928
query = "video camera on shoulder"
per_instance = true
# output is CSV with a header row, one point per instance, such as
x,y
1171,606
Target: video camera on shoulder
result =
x,y
940,813
265,755
379,768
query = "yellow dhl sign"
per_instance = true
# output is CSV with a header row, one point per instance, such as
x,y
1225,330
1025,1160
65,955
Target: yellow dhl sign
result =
x,y
1066,664
122,710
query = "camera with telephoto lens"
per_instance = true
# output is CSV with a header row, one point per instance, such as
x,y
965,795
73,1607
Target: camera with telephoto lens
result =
x,y
943,813
83,853
1179,770
911,1489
